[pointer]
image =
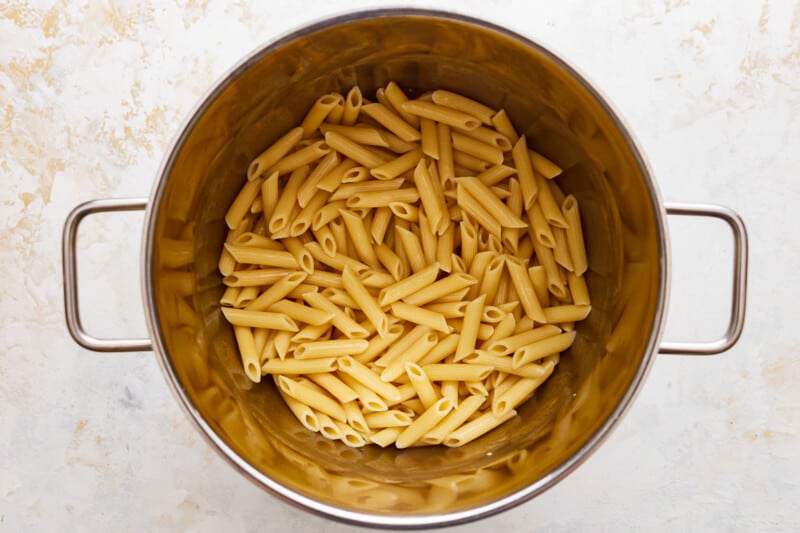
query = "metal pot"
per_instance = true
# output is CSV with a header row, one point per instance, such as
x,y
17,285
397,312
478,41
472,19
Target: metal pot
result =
x,y
568,120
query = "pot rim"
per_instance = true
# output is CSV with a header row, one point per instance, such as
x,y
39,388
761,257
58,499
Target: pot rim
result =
x,y
373,519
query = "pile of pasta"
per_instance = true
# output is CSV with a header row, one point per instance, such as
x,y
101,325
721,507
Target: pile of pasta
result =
x,y
406,271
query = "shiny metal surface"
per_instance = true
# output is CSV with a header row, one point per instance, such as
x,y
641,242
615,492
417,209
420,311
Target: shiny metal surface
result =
x,y
70,270
565,118
739,289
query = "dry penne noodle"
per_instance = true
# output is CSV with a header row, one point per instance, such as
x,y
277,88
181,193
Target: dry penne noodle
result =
x,y
301,313
550,209
277,291
578,289
474,208
340,320
352,106
369,199
577,248
304,156
390,300
369,379
318,112
424,422
512,344
401,345
295,366
359,134
274,153
357,152
542,348
241,204
527,179
303,392
259,319
308,188
503,125
422,384
523,286
331,348
397,166
391,121
439,113
347,190
450,284
544,166
396,97
457,372
462,103
566,313
475,148
253,278
415,352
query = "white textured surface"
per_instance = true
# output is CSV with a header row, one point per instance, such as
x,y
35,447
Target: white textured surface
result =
x,y
90,95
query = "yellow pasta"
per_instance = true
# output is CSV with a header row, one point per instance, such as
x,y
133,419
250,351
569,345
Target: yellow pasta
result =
x,y
454,419
442,114
542,348
279,290
294,366
382,278
544,166
247,349
422,384
365,301
415,352
475,428
304,156
318,112
274,153
567,313
577,248
331,348
369,379
469,331
462,103
450,284
476,148
426,421
340,320
391,121
503,125
312,397
412,247
474,208
396,97
352,106
527,179
353,150
524,289
370,199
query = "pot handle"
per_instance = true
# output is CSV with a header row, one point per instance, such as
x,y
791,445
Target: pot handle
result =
x,y
739,296
70,269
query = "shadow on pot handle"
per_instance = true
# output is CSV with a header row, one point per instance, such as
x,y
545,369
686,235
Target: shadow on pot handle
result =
x,y
69,264
739,290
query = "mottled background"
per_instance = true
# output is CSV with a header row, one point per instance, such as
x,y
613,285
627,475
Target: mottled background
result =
x,y
91,94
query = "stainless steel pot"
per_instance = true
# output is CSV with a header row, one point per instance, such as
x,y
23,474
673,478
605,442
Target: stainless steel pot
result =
x,y
569,121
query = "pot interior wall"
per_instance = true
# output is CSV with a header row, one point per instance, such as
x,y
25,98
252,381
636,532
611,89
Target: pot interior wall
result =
x,y
270,94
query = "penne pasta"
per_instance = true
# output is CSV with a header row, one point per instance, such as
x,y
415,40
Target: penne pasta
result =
x,y
527,179
442,114
269,157
407,271
391,121
577,248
